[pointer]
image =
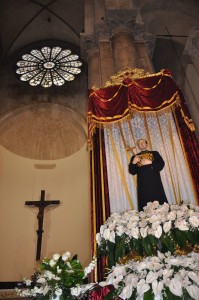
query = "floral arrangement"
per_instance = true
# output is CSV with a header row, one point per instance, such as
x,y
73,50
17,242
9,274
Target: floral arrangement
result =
x,y
173,228
158,277
60,276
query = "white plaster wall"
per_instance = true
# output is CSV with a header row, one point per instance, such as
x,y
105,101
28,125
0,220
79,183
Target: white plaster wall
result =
x,y
66,227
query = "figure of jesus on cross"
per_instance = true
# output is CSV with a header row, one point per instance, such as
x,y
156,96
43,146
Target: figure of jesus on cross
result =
x,y
42,204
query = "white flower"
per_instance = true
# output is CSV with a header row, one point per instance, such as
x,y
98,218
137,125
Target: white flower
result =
x,y
119,270
103,283
161,255
175,287
132,279
56,257
175,261
158,232
141,266
151,276
154,218
167,272
194,221
193,291
27,282
90,267
52,263
58,292
194,277
142,287
59,270
102,227
134,233
106,234
46,290
182,225
98,238
120,230
66,256
126,292
155,225
157,287
171,215
41,280
69,265
75,291
143,231
112,237
167,226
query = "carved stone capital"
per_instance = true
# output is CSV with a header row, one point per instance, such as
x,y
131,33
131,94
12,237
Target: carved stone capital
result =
x,y
120,20
103,30
88,44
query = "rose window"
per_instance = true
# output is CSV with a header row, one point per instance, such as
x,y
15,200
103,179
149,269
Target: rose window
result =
x,y
48,66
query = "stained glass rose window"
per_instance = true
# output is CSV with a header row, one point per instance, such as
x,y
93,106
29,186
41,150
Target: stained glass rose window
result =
x,y
48,66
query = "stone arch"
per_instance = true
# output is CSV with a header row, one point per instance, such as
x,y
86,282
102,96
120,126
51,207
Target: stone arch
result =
x,y
44,131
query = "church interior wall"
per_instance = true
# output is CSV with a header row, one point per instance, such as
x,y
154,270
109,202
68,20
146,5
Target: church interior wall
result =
x,y
66,226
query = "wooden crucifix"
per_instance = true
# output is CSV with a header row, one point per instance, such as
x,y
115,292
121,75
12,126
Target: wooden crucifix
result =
x,y
42,204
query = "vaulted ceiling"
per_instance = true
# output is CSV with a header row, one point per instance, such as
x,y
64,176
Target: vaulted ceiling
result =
x,y
23,22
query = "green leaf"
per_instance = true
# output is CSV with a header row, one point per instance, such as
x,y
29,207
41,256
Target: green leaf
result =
x,y
133,296
138,247
186,296
168,242
193,237
148,295
181,237
119,250
74,257
111,295
147,246
169,296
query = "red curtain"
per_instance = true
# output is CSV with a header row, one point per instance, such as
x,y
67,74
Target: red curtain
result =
x,y
152,93
190,147
100,205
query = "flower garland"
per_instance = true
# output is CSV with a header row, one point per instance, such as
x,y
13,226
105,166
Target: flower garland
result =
x,y
173,228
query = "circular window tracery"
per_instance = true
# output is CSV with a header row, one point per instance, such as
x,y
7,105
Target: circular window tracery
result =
x,y
48,66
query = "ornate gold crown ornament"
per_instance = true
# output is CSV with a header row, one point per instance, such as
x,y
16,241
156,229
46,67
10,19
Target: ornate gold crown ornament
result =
x,y
118,78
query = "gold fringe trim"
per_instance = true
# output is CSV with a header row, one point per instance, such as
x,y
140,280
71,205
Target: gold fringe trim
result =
x,y
188,122
102,179
133,109
94,214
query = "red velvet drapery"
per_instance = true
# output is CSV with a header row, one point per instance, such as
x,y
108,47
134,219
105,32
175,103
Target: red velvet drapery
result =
x,y
148,94
100,205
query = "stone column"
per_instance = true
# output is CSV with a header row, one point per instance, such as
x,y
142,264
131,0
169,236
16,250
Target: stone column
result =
x,y
99,10
124,52
144,61
88,17
106,60
94,70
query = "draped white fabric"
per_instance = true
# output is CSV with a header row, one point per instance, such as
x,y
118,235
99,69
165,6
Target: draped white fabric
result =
x,y
161,133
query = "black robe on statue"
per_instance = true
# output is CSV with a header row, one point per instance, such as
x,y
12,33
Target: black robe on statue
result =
x,y
149,182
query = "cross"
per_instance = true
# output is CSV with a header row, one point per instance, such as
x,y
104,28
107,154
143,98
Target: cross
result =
x,y
42,204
